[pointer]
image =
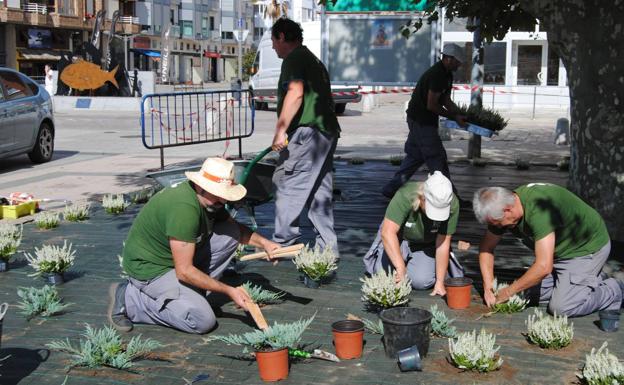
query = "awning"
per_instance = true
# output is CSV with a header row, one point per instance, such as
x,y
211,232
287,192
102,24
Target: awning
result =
x,y
39,54
212,54
146,52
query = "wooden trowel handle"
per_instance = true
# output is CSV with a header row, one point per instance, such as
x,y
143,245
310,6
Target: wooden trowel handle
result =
x,y
254,311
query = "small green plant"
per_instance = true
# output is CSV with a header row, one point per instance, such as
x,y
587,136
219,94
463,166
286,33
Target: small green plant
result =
x,y
51,259
396,160
275,337
262,296
373,327
76,212
515,304
44,302
484,117
8,230
8,247
316,263
440,324
114,204
47,220
470,351
522,164
381,290
549,332
478,162
104,347
356,161
144,195
564,164
602,368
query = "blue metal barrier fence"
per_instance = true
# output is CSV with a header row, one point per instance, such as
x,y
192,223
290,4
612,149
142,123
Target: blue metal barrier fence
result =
x,y
185,118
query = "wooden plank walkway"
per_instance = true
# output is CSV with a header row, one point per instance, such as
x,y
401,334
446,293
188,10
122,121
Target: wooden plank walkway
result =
x,y
358,213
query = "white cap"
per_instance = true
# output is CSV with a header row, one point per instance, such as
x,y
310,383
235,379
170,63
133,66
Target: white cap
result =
x,y
454,50
438,197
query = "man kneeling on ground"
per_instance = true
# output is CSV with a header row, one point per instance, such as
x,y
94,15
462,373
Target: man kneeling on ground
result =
x,y
177,248
571,246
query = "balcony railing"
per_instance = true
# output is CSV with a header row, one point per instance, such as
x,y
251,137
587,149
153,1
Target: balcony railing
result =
x,y
35,8
129,19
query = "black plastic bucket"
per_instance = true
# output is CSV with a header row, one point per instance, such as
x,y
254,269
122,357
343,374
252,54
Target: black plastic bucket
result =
x,y
405,327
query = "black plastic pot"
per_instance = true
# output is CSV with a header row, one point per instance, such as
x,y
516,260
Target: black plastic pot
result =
x,y
409,359
405,327
4,266
309,282
54,278
609,320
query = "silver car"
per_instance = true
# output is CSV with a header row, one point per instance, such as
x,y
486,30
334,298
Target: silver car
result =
x,y
26,118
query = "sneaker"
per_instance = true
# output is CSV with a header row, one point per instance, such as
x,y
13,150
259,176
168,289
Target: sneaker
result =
x,y
117,307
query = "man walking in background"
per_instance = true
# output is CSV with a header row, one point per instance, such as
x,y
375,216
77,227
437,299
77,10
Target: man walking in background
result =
x,y
306,134
430,99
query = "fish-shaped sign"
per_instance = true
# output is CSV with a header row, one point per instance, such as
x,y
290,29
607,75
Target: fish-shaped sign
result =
x,y
83,75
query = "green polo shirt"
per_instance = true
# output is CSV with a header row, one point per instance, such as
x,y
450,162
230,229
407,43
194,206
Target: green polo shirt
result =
x,y
174,212
415,226
579,229
317,108
436,79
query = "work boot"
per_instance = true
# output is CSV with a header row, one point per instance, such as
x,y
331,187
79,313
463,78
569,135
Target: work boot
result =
x,y
117,307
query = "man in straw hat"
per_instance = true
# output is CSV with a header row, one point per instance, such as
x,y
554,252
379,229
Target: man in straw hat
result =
x,y
177,248
414,239
430,100
307,122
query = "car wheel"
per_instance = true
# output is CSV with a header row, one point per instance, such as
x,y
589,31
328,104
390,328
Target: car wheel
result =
x,y
259,106
44,146
340,108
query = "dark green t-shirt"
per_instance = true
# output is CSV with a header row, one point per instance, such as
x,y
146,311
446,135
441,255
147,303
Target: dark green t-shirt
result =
x,y
437,79
317,108
174,212
415,226
579,229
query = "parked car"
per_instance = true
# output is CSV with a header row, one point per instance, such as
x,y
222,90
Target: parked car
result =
x,y
26,118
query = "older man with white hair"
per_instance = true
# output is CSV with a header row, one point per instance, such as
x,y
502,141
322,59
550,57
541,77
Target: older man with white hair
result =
x,y
414,239
177,249
571,246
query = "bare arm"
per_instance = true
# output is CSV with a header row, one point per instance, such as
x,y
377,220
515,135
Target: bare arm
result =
x,y
249,237
183,253
390,238
448,109
443,248
543,265
486,263
292,102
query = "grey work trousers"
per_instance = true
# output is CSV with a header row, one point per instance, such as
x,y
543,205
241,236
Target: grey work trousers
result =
x,y
575,287
423,146
420,264
166,301
303,178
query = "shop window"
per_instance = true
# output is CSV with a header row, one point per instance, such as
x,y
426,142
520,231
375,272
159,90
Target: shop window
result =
x,y
553,68
494,64
529,64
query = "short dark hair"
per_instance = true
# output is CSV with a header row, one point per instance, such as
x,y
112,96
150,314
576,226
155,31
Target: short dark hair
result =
x,y
292,30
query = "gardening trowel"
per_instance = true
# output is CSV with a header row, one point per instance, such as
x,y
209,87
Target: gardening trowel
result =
x,y
316,353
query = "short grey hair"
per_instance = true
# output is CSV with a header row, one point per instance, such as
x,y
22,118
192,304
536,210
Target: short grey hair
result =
x,y
489,203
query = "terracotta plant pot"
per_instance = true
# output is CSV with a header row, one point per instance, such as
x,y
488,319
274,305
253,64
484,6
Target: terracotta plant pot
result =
x,y
458,292
273,365
348,338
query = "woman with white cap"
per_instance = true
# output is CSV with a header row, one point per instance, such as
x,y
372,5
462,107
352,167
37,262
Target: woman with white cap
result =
x,y
414,239
177,249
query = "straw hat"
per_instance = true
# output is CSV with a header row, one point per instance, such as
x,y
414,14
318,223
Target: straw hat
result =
x,y
216,176
438,193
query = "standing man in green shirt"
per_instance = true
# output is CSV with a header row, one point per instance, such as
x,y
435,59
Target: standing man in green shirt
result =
x,y
414,238
306,134
571,246
176,250
430,100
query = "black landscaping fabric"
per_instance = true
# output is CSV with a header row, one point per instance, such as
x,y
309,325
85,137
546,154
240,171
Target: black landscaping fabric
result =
x,y
358,211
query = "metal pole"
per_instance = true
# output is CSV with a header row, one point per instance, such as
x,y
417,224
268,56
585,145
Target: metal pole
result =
x,y
240,38
493,93
534,96
476,85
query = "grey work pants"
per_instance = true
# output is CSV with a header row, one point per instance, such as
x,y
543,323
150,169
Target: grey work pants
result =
x,y
575,287
420,264
303,178
423,146
166,301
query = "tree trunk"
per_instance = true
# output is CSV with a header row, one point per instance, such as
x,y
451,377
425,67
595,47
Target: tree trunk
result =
x,y
589,37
